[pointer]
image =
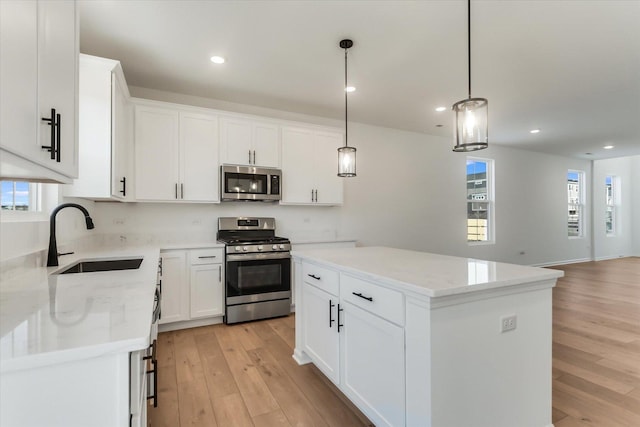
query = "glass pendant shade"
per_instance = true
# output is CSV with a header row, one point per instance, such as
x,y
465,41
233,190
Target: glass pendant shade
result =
x,y
346,162
471,118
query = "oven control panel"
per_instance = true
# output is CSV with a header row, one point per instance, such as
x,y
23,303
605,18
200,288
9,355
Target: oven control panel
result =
x,y
250,248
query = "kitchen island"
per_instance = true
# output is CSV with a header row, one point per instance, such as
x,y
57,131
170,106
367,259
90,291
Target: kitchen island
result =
x,y
419,339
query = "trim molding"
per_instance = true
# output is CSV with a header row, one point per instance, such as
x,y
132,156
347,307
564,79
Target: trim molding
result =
x,y
568,261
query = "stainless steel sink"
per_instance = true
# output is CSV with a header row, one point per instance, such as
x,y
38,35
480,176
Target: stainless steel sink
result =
x,y
89,266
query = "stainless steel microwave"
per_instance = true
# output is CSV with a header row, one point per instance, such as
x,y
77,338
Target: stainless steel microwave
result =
x,y
249,183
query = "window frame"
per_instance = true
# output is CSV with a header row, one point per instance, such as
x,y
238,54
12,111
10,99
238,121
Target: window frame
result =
x,y
612,203
489,201
579,203
42,199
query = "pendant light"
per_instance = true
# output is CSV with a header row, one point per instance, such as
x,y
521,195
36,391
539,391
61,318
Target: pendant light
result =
x,y
346,154
471,115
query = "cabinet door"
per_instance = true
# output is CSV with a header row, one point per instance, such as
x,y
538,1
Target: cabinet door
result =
x,y
121,140
207,293
38,72
19,78
327,182
236,141
321,340
175,304
373,373
199,163
266,145
297,166
57,80
156,153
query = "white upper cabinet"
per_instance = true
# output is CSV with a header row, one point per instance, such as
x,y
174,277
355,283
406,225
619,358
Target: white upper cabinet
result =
x,y
309,167
199,171
176,155
39,74
248,142
105,128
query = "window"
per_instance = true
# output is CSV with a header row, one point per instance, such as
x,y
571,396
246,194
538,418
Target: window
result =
x,y
612,191
575,198
19,196
479,200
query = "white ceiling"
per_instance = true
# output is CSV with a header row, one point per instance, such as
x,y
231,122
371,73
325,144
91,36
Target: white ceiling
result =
x,y
570,68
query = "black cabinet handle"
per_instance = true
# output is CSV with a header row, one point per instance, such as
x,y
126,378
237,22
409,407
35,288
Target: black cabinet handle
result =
x,y
124,186
54,122
331,319
358,294
154,371
208,256
339,324
58,126
313,276
182,191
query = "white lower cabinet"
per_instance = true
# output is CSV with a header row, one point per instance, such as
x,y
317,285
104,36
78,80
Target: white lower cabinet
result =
x,y
175,304
206,283
322,342
192,284
373,365
96,391
354,343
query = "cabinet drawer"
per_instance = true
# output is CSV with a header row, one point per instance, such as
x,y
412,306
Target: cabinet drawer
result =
x,y
383,302
323,278
206,256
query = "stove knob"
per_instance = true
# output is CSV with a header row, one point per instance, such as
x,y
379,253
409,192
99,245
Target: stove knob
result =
x,y
237,248
281,246
260,247
274,247
244,248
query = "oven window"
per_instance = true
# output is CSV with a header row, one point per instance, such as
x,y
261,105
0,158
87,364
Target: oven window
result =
x,y
256,277
245,183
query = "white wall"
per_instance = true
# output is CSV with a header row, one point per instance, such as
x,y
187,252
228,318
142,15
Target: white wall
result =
x,y
409,193
620,243
635,205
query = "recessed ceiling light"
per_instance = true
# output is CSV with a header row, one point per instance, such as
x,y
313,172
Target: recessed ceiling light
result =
x,y
217,59
608,147
438,109
350,89
534,131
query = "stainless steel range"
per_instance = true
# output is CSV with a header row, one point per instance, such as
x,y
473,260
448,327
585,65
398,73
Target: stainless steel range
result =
x,y
258,269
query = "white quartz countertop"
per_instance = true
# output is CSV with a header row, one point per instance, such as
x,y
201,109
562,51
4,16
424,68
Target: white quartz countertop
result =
x,y
429,274
55,318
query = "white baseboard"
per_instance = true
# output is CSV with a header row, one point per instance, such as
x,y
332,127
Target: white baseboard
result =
x,y
568,261
300,357
174,326
604,258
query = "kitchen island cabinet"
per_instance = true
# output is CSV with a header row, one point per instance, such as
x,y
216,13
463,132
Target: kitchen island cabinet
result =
x,y
422,338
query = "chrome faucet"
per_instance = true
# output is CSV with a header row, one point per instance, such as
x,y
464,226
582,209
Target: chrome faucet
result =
x,y
52,257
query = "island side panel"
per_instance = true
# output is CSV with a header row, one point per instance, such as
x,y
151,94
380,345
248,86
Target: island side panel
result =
x,y
298,353
418,363
488,378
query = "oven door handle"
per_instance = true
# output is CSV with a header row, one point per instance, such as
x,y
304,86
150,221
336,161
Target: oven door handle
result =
x,y
252,257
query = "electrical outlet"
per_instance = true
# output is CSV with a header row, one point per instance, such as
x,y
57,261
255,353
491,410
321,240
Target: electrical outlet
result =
x,y
508,323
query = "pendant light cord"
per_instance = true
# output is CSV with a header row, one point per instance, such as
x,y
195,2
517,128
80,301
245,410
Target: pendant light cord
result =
x,y
346,114
469,42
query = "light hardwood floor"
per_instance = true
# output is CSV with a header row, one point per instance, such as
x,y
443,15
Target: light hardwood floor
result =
x,y
243,375
596,344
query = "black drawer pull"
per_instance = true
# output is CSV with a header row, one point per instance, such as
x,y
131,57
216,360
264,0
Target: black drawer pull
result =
x,y
208,256
358,294
313,276
340,325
